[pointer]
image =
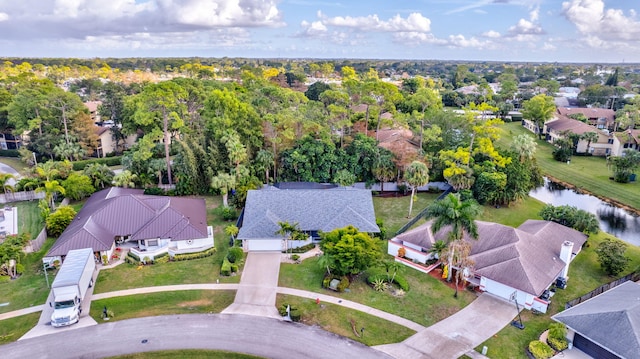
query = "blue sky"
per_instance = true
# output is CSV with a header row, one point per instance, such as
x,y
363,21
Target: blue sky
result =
x,y
488,30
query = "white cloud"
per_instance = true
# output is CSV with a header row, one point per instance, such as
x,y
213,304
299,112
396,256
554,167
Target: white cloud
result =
x,y
525,27
413,22
312,29
4,16
78,19
534,15
599,24
491,34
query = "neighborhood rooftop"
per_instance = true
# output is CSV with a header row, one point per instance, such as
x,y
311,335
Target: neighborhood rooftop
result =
x,y
119,212
313,210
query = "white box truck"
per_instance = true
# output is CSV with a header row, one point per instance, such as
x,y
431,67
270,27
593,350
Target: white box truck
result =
x,y
74,278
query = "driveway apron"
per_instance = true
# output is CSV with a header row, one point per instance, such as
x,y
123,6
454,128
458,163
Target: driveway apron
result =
x,y
456,335
256,293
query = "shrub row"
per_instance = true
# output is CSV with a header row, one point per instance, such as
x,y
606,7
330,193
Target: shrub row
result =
x,y
399,280
188,256
225,269
109,161
302,249
9,153
540,350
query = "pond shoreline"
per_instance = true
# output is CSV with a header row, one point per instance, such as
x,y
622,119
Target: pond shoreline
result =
x,y
632,210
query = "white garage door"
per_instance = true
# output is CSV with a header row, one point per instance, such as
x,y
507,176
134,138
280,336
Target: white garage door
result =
x,y
264,244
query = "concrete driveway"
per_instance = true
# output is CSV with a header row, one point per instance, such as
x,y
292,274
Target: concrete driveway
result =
x,y
236,333
8,169
256,293
458,334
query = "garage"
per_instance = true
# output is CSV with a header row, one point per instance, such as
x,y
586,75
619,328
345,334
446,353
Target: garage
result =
x,y
591,348
263,245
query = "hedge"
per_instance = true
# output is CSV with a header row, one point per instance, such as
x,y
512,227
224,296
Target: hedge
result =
x,y
9,153
302,249
225,269
540,350
133,256
235,255
189,256
109,161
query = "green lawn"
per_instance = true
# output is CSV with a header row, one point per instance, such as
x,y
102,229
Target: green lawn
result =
x,y
29,219
585,275
394,210
187,354
12,329
587,173
337,319
15,163
30,288
163,303
515,214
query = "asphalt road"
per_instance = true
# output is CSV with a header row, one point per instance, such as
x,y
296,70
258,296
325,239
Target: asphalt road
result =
x,y
263,337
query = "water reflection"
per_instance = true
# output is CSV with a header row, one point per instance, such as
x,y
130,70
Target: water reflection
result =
x,y
613,220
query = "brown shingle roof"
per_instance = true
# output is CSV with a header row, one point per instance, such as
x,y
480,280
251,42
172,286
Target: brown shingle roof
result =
x,y
590,113
525,258
118,211
568,124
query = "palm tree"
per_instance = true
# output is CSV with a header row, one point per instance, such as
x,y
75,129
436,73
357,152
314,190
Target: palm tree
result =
x,y
525,146
4,179
50,189
231,231
459,215
327,262
263,161
125,179
383,168
416,175
589,137
223,182
47,170
438,248
459,252
290,232
100,174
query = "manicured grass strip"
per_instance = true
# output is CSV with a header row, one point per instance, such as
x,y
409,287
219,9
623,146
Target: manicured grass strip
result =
x,y
395,210
588,173
163,303
514,215
187,354
29,219
12,329
585,275
427,302
337,319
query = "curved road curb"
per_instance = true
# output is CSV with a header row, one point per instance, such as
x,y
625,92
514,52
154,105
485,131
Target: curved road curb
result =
x,y
263,337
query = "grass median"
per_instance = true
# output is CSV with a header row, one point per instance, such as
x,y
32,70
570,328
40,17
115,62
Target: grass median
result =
x,y
187,354
163,303
13,328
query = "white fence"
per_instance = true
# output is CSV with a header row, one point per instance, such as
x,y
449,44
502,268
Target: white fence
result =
x,y
20,196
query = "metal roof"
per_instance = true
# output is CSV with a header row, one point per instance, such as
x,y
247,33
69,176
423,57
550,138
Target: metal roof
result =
x,y
128,212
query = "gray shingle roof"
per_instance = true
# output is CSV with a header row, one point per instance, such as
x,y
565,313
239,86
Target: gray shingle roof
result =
x,y
118,211
611,319
314,210
525,258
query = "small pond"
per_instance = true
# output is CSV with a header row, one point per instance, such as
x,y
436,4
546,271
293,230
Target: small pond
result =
x,y
613,220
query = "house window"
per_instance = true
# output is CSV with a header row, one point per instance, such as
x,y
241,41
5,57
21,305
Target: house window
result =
x,y
610,141
152,242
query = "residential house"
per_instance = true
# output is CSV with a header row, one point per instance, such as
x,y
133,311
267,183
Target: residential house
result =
x,y
626,140
606,326
9,141
601,118
153,225
106,143
400,142
521,263
557,128
93,106
314,210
